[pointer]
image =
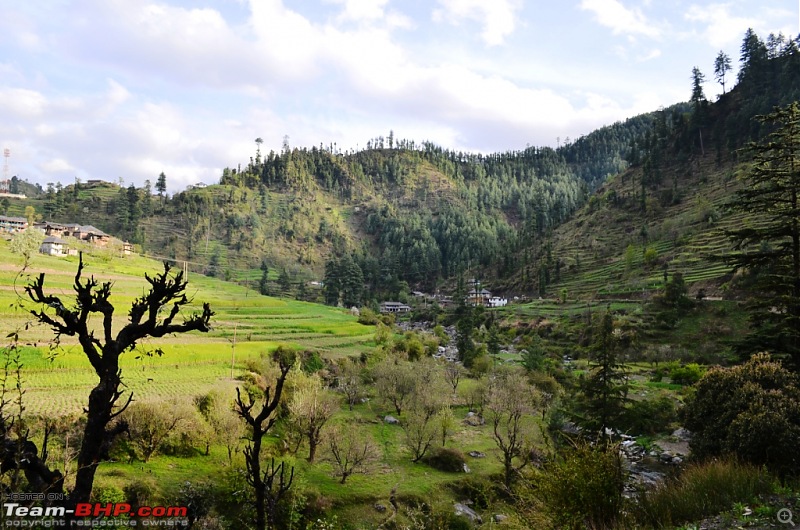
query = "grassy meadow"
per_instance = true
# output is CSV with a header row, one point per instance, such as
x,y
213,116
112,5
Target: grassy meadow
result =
x,y
58,380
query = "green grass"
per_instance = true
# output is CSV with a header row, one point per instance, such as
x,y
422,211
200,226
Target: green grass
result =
x,y
58,381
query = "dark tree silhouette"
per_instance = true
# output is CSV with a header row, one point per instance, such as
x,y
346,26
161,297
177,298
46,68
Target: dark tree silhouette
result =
x,y
267,492
145,320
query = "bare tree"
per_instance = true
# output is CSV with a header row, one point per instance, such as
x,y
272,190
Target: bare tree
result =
x,y
349,380
310,408
145,319
453,372
267,492
151,424
510,406
350,451
421,426
395,382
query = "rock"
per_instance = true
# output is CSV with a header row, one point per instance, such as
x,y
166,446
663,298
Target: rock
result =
x,y
391,420
466,468
469,513
477,454
499,518
682,434
380,508
474,420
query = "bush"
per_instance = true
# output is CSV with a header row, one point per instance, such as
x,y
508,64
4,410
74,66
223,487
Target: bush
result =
x,y
480,490
582,488
108,494
700,491
752,411
686,375
367,317
446,459
139,493
311,362
649,416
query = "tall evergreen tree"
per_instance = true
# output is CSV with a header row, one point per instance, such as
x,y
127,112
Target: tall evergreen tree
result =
x,y
722,65
605,387
332,283
161,184
768,245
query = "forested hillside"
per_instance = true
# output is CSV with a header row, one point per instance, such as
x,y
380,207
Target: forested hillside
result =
x,y
668,212
407,215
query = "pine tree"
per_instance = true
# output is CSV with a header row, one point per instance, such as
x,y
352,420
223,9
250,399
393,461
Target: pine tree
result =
x,y
769,246
161,184
605,387
263,284
332,283
722,65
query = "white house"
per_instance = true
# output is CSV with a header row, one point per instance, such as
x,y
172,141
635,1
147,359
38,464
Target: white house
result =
x,y
496,301
53,246
394,307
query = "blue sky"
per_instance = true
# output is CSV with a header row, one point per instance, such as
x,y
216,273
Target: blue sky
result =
x,y
126,89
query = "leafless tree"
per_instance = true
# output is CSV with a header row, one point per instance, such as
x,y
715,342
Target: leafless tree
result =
x,y
267,492
349,380
310,408
145,319
510,405
453,372
350,451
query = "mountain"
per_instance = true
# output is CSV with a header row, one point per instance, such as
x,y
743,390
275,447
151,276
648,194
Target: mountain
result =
x,y
667,212
410,214
606,214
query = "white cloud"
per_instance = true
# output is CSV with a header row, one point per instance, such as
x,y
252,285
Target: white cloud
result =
x,y
620,19
22,102
499,17
722,28
56,166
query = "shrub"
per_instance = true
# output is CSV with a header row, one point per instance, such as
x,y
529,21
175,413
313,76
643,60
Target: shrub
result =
x,y
649,416
686,375
367,317
751,410
108,494
139,493
446,459
480,490
700,491
582,487
311,362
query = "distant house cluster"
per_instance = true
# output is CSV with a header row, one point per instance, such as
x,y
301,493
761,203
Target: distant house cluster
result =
x,y
12,224
394,307
55,243
482,297
476,296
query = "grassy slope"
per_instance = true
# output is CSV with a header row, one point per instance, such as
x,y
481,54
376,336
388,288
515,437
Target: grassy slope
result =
x,y
593,243
192,363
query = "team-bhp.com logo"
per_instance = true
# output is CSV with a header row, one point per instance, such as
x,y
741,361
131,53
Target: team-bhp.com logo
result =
x,y
125,515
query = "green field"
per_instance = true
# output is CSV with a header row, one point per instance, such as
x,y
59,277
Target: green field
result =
x,y
246,324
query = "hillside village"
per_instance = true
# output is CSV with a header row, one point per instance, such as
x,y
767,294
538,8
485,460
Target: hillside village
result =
x,y
58,236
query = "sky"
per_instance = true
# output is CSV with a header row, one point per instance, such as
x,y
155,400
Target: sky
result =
x,y
126,89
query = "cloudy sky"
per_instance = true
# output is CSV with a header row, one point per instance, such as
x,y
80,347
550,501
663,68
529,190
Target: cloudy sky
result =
x,y
126,89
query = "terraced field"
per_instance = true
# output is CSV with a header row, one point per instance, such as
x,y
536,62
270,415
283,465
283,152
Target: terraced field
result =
x,y
246,325
687,237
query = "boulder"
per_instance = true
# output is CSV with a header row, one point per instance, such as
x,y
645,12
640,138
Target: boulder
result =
x,y
391,420
477,454
469,513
